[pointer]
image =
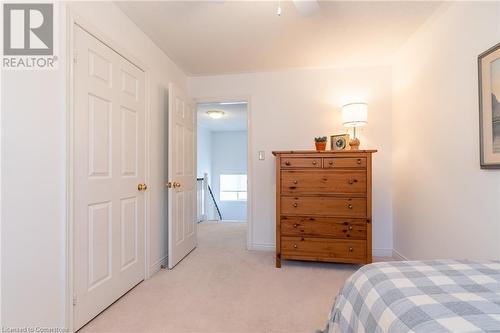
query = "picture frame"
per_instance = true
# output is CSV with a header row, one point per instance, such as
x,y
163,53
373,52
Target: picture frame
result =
x,y
339,142
489,107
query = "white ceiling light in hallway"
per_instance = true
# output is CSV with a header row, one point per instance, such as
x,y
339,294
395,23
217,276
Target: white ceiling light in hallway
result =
x,y
215,114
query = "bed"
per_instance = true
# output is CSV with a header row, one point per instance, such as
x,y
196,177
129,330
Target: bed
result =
x,y
419,296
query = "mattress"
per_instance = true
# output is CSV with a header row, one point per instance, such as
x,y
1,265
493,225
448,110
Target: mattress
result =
x,y
419,296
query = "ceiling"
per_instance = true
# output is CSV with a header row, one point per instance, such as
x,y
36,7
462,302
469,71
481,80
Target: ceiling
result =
x,y
220,37
234,119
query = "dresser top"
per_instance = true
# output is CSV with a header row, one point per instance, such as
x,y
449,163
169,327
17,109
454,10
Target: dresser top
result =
x,y
275,153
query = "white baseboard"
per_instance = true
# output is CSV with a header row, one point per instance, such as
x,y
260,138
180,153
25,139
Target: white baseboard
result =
x,y
157,265
397,255
382,252
261,247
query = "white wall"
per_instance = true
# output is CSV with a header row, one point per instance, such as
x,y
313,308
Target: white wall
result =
x,y
204,152
229,156
445,206
34,177
289,108
33,197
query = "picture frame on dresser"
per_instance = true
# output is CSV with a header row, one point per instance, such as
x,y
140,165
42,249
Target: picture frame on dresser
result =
x,y
339,142
324,206
489,107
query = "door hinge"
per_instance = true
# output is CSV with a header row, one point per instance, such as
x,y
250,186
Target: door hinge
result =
x,y
74,300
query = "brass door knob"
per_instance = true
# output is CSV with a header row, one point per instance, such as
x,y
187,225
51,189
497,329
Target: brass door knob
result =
x,y
168,184
176,185
142,187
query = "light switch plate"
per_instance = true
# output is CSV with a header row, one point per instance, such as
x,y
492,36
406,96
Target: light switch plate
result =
x,y
262,155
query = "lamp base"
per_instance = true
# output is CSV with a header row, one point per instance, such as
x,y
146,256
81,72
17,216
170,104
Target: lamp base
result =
x,y
354,143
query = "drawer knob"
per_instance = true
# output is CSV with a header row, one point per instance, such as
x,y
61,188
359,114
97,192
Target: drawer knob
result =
x,y
295,204
287,162
295,225
350,227
295,182
294,246
314,162
351,249
349,206
358,161
330,163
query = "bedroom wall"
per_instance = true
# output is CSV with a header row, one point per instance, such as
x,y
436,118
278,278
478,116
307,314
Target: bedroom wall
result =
x,y
288,116
34,172
445,206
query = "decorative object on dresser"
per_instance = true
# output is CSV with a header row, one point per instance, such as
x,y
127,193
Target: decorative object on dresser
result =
x,y
323,206
320,142
339,142
354,115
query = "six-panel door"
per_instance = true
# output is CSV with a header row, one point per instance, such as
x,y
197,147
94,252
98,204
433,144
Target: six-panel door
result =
x,y
109,154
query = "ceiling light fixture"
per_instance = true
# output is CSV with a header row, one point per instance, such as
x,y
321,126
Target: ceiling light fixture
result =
x,y
232,103
215,114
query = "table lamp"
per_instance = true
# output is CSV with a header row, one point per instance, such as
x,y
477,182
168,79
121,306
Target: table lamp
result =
x,y
354,115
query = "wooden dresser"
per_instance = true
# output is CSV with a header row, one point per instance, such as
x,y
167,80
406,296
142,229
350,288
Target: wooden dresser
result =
x,y
323,206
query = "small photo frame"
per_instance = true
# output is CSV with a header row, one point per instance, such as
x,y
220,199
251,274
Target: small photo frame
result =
x,y
339,142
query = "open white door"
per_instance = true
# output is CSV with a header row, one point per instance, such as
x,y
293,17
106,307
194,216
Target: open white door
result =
x,y
182,176
109,172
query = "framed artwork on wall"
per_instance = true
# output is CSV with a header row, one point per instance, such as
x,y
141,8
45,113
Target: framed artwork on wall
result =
x,y
489,107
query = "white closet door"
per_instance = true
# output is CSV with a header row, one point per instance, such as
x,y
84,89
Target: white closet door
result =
x,y
182,173
109,127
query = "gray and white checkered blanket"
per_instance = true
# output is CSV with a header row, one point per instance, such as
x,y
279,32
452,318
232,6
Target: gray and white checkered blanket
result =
x,y
419,296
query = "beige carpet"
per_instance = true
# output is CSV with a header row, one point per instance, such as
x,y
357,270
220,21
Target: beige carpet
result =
x,y
221,287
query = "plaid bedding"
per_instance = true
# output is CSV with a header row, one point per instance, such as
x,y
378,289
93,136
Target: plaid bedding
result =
x,y
419,296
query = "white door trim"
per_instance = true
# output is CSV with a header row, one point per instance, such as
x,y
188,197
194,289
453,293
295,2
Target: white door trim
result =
x,y
72,20
248,99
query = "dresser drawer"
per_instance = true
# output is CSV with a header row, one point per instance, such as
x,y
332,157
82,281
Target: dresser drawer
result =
x,y
344,162
312,248
323,181
323,226
301,162
323,205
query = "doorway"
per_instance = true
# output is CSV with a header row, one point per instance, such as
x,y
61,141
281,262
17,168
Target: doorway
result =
x,y
222,162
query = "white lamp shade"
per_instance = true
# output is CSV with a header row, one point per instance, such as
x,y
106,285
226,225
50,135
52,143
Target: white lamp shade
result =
x,y
355,114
